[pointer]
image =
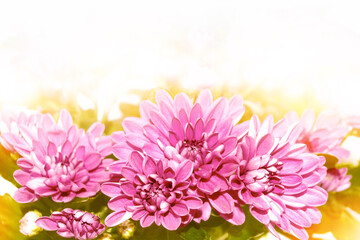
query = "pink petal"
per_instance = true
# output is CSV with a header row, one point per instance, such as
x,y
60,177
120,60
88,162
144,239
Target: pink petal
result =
x,y
65,119
116,218
189,131
229,145
65,233
153,151
237,217
291,180
177,128
133,124
199,129
145,108
184,171
205,99
170,221
24,195
220,106
266,127
308,119
299,232
261,202
159,121
195,113
311,179
182,101
110,189
295,190
21,177
222,202
47,223
208,186
24,163
236,108
227,168
291,165
165,103
313,198
147,220
298,217
261,215
180,209
128,188
92,161
254,126
314,214
265,144
136,160
66,149
212,140
128,173
97,129
119,202
193,202
151,132
149,166
139,213
136,140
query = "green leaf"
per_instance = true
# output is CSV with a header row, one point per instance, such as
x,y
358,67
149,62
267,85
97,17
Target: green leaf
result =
x,y
195,234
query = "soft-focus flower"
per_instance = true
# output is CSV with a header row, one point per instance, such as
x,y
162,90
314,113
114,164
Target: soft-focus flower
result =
x,y
324,135
336,180
278,178
126,229
59,160
151,192
28,226
73,223
204,132
9,127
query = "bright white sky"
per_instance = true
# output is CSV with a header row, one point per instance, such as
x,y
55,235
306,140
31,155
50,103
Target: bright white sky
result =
x,y
104,49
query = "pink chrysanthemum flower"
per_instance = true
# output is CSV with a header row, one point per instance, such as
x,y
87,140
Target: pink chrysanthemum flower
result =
x,y
278,179
152,192
336,180
204,132
324,135
59,160
10,121
73,223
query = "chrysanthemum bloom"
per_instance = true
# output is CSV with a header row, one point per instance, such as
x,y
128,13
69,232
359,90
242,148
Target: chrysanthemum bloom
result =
x,y
9,127
336,180
278,179
324,135
151,192
204,132
59,160
73,223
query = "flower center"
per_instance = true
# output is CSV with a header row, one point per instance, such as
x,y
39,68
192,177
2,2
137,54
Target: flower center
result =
x,y
191,149
264,179
155,194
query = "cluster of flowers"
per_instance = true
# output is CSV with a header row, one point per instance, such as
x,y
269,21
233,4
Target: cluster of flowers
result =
x,y
177,162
